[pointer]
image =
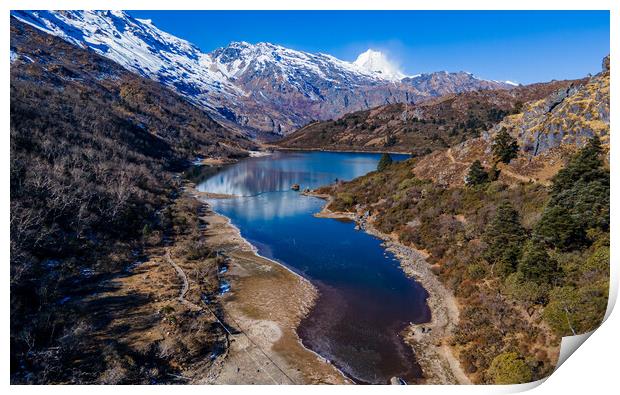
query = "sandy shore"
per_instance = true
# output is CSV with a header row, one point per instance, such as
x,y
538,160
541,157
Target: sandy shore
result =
x,y
210,195
266,304
429,340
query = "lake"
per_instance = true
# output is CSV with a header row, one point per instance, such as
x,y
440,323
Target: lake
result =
x,y
365,299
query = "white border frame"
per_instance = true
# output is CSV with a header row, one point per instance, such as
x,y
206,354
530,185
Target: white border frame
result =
x,y
592,370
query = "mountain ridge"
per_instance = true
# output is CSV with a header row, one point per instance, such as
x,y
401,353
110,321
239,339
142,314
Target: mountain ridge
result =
x,y
434,123
260,89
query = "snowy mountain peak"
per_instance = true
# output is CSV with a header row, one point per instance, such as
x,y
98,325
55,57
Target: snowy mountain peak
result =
x,y
255,87
377,62
297,67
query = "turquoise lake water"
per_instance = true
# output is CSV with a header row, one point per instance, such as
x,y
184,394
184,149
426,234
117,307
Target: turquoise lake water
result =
x,y
365,298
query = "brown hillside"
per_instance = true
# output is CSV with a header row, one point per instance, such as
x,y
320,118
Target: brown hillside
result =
x,y
526,254
419,128
94,151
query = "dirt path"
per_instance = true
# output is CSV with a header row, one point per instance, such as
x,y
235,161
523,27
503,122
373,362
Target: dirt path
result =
x,y
239,340
504,168
506,171
453,160
185,286
450,156
143,309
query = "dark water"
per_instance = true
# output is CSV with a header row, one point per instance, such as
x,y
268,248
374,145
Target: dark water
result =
x,y
365,299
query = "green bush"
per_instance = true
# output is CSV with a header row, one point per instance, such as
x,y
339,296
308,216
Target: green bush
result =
x,y
410,182
476,271
517,287
384,162
573,310
346,199
509,368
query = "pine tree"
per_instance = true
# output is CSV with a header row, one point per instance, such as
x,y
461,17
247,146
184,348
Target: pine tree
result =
x,y
494,173
476,175
504,236
384,162
579,201
505,147
586,165
558,228
536,264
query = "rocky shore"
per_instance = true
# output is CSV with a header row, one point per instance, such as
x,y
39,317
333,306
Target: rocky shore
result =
x,y
428,340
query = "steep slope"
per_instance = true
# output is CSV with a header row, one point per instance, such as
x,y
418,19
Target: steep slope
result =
x,y
569,117
260,88
419,128
149,106
94,151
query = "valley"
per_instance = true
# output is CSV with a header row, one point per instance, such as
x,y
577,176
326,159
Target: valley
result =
x,y
264,215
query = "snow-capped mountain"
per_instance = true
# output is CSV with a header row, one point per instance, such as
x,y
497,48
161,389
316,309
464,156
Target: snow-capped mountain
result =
x,y
238,57
137,45
377,62
258,88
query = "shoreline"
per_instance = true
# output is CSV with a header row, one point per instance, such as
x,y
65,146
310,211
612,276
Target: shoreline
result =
x,y
271,320
350,151
428,340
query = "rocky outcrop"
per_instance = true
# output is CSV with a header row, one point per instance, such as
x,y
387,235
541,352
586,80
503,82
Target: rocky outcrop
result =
x,y
569,117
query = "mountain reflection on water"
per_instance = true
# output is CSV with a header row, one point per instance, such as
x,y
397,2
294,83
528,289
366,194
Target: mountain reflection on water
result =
x,y
278,172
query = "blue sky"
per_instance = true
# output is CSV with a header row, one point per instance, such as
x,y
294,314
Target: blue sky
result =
x,y
522,46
